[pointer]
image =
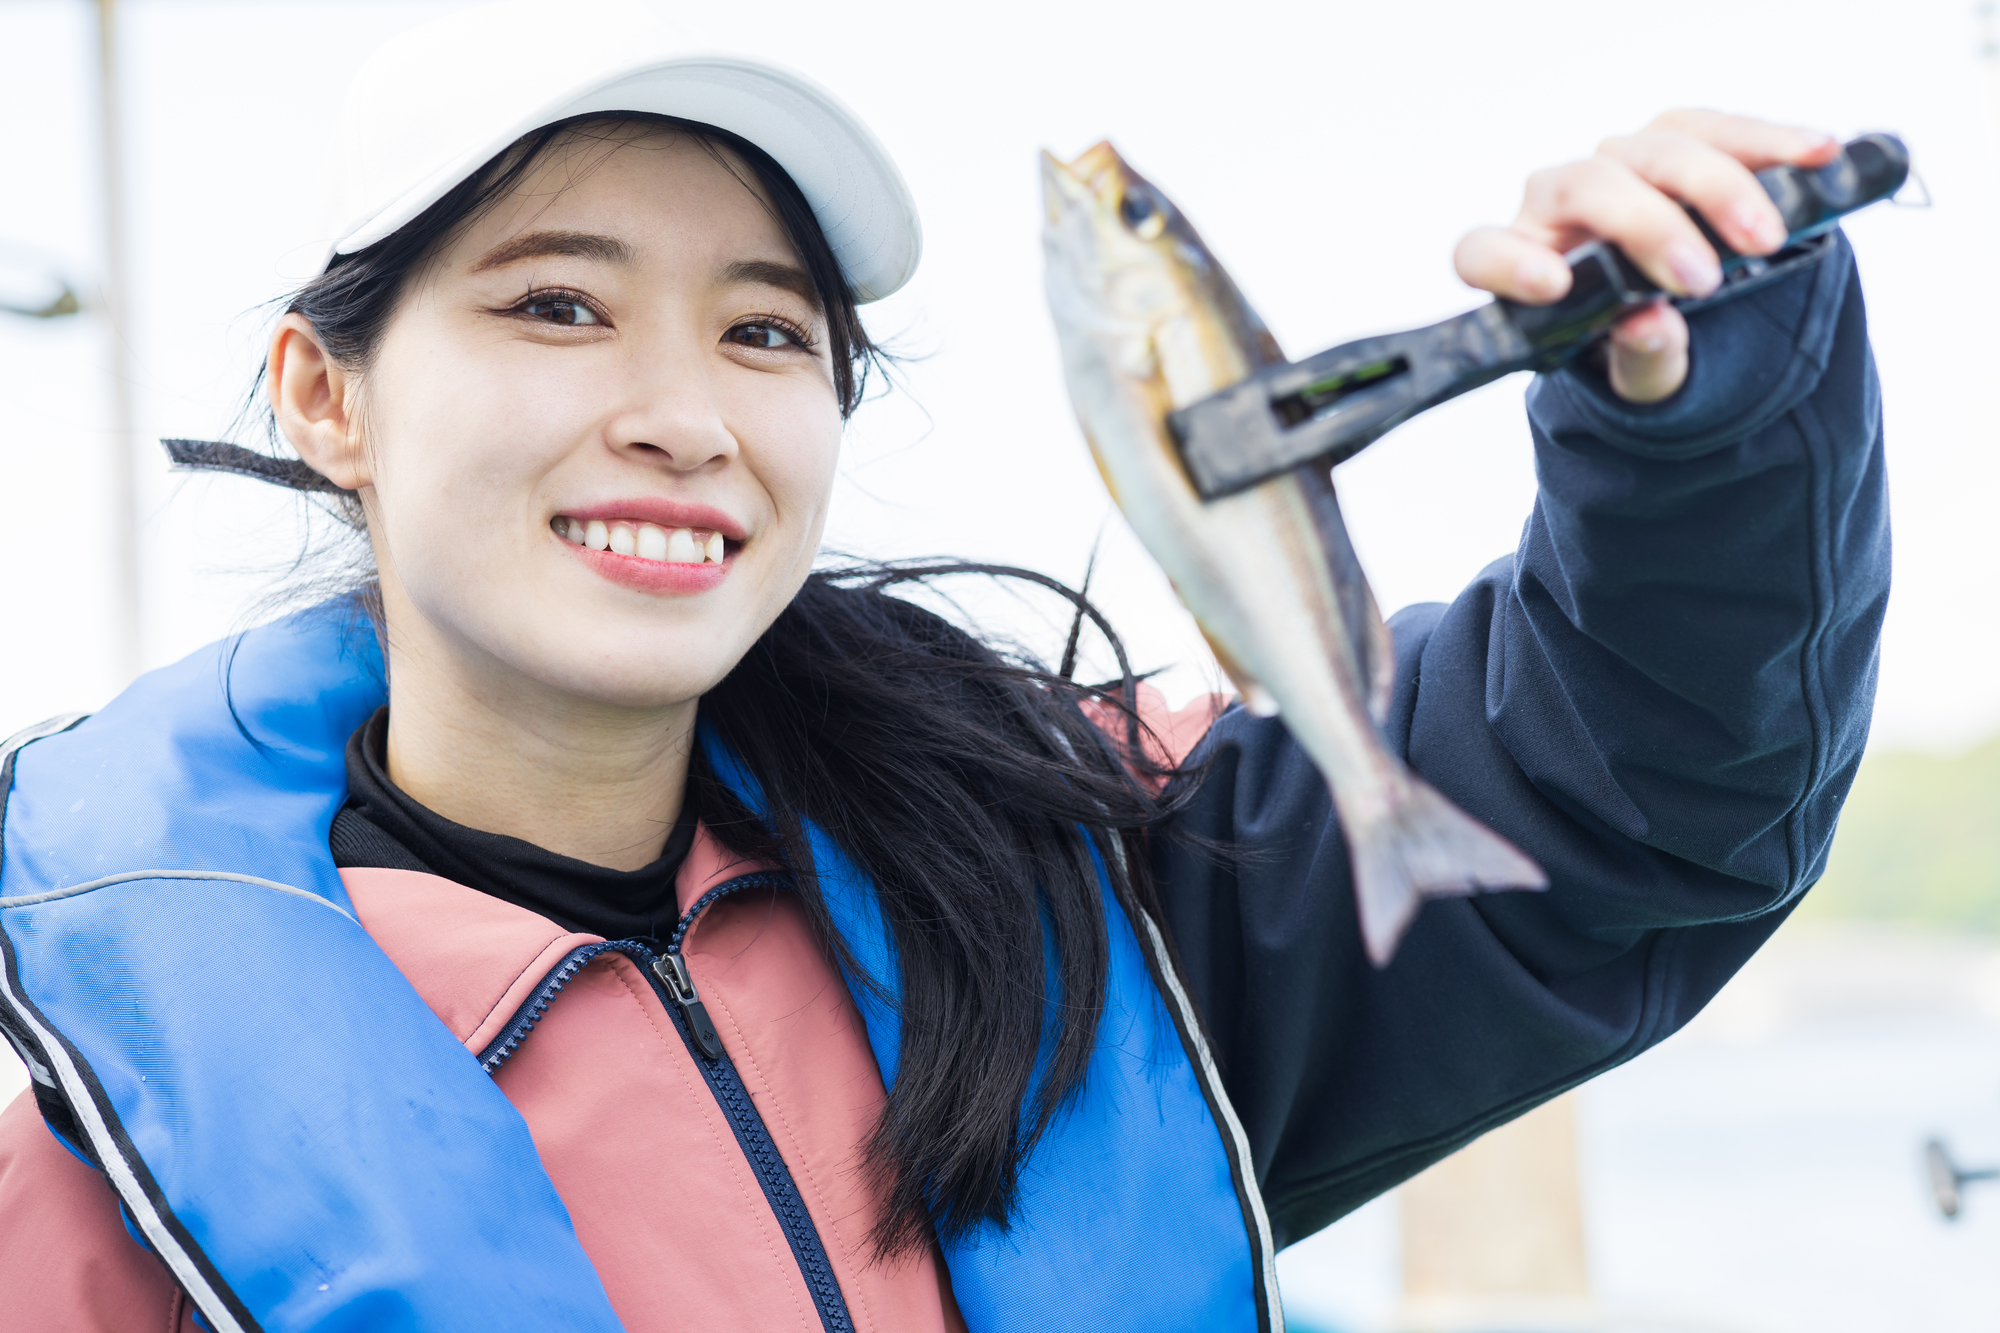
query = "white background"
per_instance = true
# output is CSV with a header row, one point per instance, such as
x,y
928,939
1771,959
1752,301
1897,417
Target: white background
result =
x,y
1331,153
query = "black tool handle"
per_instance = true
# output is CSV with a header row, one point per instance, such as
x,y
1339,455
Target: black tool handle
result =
x,y
1869,168
1335,403
1606,286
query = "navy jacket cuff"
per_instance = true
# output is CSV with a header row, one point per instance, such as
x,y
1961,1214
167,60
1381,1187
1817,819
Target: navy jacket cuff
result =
x,y
1755,353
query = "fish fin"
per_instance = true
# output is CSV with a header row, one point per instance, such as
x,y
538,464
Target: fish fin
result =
x,y
1371,653
1426,847
1378,656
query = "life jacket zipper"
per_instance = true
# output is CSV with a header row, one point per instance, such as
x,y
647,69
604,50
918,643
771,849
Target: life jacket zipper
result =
x,y
672,971
674,984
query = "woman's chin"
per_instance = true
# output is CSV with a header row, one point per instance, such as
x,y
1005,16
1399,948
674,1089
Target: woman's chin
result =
x,y
573,626
634,680
612,650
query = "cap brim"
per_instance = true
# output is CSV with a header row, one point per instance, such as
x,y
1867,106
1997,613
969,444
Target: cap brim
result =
x,y
854,189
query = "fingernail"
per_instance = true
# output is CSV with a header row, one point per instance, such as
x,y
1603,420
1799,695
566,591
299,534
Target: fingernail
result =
x,y
1695,267
1641,342
1543,276
1758,223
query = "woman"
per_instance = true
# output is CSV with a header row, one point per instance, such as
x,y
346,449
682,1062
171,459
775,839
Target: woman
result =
x,y
686,939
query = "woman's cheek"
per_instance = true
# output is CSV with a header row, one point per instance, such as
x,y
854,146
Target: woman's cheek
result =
x,y
460,478
791,442
497,428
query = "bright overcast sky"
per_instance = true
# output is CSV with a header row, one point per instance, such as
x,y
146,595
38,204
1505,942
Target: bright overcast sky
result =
x,y
1331,153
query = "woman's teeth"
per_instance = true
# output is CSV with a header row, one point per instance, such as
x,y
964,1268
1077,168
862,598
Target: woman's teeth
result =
x,y
667,546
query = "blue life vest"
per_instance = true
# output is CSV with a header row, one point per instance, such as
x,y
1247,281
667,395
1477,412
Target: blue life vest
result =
x,y
306,1146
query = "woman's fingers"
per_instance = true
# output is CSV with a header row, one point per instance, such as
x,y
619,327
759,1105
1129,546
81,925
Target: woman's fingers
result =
x,y
1717,185
1755,143
1649,350
1649,355
1507,263
1603,197
1632,193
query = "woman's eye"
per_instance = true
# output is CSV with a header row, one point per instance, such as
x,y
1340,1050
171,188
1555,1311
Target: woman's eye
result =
x,y
561,312
765,336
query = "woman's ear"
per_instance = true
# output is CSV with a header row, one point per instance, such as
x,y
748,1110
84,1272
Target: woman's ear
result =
x,y
314,400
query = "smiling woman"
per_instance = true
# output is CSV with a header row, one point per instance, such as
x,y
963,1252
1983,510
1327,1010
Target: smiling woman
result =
x,y
611,330
588,407
601,916
585,407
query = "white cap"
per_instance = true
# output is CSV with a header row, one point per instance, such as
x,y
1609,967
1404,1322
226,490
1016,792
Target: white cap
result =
x,y
439,101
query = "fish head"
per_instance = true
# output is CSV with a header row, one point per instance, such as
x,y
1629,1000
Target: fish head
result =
x,y
1119,246
1126,265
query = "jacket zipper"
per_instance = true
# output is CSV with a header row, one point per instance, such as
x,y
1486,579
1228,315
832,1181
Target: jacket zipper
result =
x,y
672,982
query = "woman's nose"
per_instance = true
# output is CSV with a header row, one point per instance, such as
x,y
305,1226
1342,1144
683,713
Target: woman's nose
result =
x,y
675,421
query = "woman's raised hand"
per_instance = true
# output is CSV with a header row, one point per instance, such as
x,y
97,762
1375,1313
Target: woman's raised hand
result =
x,y
1630,192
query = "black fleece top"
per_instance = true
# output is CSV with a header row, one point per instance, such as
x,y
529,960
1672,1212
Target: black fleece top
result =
x,y
382,825
1662,696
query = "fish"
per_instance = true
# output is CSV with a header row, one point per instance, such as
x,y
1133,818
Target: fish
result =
x,y
1148,322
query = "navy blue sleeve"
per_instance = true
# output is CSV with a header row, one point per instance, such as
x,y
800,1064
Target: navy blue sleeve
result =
x,y
1661,696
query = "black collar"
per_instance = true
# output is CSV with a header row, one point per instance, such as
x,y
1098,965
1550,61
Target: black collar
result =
x,y
382,826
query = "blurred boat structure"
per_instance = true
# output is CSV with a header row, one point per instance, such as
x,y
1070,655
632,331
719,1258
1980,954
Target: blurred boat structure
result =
x,y
1948,1179
120,531
33,288
1493,1236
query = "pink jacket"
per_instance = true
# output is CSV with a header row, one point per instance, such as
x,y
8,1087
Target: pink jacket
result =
x,y
661,1196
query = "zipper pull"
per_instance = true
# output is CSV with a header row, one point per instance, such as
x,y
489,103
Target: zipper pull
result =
x,y
672,971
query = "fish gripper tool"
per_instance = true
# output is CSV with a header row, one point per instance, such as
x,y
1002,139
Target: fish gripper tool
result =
x,y
1329,407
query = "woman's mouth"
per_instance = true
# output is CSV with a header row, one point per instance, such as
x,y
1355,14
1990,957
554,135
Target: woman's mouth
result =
x,y
658,558
645,541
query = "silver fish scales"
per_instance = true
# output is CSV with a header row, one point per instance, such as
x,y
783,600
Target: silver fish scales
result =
x,y
1148,323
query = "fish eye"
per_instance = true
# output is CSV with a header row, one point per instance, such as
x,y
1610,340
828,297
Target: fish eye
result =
x,y
1140,209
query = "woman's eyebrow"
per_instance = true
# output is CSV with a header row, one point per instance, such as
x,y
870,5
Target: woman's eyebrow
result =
x,y
539,244
782,276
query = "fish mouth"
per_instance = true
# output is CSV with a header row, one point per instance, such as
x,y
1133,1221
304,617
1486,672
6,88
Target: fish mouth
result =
x,y
1095,178
1100,162
1062,189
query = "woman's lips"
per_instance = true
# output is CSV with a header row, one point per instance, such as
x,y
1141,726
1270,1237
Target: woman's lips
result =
x,y
647,556
661,513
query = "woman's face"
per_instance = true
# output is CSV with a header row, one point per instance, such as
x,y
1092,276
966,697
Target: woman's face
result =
x,y
600,431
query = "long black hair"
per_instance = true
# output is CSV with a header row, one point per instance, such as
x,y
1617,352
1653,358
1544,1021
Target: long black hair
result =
x,y
967,781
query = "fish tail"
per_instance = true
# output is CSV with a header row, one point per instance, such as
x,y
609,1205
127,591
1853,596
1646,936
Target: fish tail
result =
x,y
1422,847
